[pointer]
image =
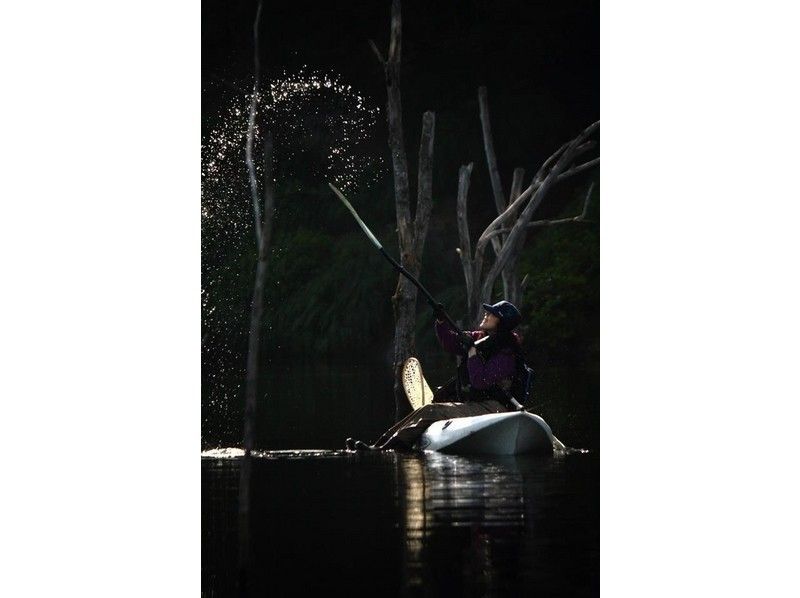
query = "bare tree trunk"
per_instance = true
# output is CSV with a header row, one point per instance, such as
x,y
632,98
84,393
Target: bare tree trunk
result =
x,y
494,177
404,300
253,352
254,343
465,249
404,297
263,234
411,232
251,128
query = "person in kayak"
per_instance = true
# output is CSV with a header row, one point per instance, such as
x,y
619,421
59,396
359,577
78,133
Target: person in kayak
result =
x,y
494,359
490,374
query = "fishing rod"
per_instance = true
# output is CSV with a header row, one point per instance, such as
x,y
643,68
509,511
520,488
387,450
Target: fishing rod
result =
x,y
433,303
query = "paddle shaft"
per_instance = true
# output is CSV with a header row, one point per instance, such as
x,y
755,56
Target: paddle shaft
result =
x,y
418,284
374,240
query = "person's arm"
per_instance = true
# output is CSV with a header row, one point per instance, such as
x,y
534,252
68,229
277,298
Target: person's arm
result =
x,y
448,338
485,374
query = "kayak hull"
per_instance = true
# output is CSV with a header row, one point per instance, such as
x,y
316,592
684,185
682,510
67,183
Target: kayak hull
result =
x,y
515,433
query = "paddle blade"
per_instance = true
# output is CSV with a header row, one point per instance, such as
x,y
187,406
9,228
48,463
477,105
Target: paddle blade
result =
x,y
352,210
414,384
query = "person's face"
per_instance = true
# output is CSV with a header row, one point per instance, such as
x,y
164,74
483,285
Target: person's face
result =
x,y
489,322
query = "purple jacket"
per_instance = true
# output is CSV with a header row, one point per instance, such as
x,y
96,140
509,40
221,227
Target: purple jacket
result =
x,y
481,374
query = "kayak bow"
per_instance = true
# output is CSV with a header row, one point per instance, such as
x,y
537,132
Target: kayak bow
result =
x,y
513,433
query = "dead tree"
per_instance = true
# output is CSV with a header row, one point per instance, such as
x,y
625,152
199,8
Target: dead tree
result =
x,y
257,309
251,129
411,232
263,234
509,275
506,233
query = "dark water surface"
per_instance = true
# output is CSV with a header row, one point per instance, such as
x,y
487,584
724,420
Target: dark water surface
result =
x,y
328,522
406,525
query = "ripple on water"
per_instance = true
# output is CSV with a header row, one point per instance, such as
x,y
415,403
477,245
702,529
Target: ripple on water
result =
x,y
238,453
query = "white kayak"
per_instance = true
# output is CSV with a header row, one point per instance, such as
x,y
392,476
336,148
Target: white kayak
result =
x,y
514,433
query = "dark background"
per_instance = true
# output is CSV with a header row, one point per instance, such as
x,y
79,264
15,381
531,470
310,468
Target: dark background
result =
x,y
328,297
540,62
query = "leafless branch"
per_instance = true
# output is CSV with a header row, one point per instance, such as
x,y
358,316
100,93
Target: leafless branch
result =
x,y
377,53
516,184
578,169
522,197
511,284
494,176
534,186
586,201
517,234
550,222
488,146
395,35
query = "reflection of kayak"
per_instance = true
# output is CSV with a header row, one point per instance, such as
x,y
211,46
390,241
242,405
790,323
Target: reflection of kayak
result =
x,y
513,433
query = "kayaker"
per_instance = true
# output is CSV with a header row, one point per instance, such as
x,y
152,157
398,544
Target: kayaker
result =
x,y
491,375
494,360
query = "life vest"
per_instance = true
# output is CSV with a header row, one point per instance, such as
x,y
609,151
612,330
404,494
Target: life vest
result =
x,y
517,386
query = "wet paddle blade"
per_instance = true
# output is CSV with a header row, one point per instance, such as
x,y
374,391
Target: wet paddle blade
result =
x,y
360,222
417,390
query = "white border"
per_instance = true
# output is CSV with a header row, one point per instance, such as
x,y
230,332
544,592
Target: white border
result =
x,y
100,245
99,239
699,296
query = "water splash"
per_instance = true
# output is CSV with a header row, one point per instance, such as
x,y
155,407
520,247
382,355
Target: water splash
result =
x,y
223,453
324,130
238,453
317,114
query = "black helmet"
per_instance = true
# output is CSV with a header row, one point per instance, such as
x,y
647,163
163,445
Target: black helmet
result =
x,y
508,314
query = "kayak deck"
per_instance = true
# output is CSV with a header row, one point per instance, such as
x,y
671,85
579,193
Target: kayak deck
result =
x,y
513,433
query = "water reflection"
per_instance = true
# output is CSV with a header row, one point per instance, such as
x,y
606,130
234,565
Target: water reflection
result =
x,y
468,523
404,524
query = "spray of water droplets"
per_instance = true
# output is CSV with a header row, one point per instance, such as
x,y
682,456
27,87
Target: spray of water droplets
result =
x,y
323,131
324,127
